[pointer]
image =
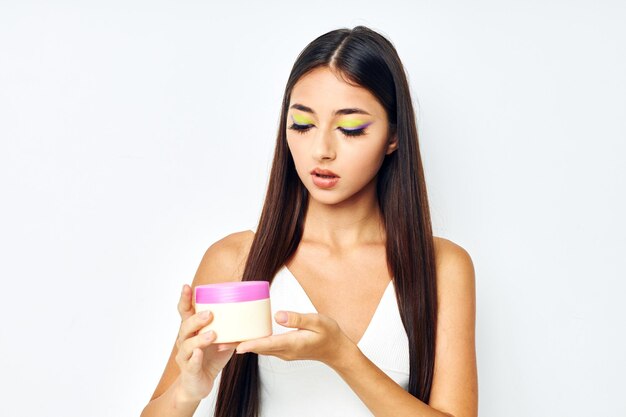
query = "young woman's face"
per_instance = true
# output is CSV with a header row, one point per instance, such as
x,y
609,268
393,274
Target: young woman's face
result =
x,y
334,126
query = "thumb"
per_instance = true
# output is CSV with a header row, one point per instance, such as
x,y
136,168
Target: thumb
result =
x,y
185,304
297,320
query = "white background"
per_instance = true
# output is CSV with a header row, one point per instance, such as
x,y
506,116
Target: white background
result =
x,y
133,134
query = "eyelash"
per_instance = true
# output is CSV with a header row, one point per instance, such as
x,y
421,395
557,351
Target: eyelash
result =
x,y
302,129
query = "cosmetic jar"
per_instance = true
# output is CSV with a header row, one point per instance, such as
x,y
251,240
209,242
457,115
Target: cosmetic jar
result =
x,y
241,310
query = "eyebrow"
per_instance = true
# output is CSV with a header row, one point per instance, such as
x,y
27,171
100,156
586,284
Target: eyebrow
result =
x,y
353,110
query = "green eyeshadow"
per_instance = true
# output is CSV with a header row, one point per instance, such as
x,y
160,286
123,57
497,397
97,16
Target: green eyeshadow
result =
x,y
300,119
351,123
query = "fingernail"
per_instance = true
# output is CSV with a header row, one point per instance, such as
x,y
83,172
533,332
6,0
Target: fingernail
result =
x,y
205,314
281,317
209,335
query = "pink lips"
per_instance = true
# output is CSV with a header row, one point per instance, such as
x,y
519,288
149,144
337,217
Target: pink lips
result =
x,y
321,171
324,178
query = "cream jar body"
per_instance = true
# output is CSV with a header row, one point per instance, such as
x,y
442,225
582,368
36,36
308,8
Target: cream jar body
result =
x,y
241,310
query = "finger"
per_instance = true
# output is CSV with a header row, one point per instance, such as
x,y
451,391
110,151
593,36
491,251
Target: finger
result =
x,y
186,348
221,347
273,343
194,323
185,307
195,361
292,319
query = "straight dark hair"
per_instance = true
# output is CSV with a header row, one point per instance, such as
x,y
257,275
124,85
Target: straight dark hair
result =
x,y
365,58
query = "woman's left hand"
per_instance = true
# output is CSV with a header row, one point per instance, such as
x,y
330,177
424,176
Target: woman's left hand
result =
x,y
318,337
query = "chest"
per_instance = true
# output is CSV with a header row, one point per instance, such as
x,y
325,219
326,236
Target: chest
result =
x,y
347,288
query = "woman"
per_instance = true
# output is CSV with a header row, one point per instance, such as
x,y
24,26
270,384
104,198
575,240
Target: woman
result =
x,y
380,319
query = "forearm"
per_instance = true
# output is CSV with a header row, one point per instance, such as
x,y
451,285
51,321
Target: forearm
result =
x,y
170,404
381,394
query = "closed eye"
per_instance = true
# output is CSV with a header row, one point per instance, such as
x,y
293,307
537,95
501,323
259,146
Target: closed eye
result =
x,y
300,128
352,132
348,132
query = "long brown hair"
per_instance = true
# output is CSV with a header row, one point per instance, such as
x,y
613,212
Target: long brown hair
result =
x,y
369,60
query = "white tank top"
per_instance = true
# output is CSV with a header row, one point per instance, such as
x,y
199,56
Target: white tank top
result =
x,y
310,388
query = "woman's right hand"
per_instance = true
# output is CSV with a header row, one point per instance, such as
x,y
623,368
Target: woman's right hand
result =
x,y
199,359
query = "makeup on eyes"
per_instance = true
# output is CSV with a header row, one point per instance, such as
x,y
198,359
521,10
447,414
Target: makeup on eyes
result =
x,y
301,119
354,124
352,127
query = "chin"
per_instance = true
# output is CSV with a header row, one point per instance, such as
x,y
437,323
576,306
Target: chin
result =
x,y
327,197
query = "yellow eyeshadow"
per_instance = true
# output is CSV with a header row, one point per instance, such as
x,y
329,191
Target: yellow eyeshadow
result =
x,y
351,123
301,120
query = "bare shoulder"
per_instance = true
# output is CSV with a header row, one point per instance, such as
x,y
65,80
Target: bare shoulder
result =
x,y
455,381
452,260
225,259
456,280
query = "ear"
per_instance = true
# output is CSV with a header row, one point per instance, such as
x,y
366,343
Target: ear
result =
x,y
392,145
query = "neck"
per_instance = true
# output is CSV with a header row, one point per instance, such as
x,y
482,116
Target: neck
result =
x,y
353,222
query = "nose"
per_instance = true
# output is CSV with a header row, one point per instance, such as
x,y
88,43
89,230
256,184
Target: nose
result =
x,y
323,145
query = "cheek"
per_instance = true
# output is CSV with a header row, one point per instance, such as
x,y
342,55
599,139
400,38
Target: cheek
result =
x,y
297,151
291,146
367,160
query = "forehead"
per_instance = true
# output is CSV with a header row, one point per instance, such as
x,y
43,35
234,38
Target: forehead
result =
x,y
325,91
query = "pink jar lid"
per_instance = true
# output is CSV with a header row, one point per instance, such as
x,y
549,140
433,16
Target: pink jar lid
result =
x,y
232,292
